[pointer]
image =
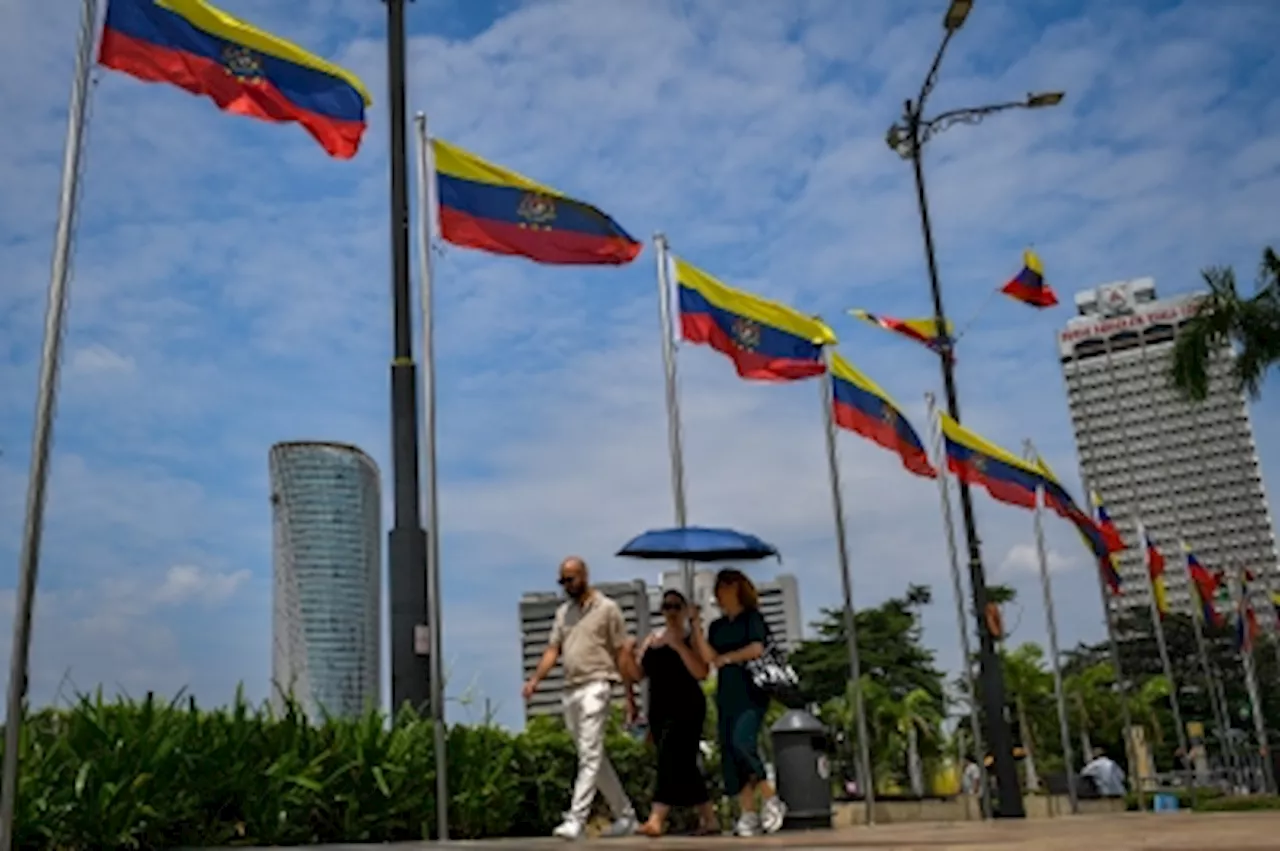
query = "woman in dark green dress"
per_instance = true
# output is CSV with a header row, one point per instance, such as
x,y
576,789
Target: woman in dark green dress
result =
x,y
732,641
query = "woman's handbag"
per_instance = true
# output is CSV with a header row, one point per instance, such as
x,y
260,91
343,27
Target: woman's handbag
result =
x,y
773,675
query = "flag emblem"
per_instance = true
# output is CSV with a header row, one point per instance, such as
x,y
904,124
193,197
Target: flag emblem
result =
x,y
537,209
243,64
746,334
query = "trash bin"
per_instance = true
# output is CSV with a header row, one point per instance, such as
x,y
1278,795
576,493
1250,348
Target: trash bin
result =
x,y
800,746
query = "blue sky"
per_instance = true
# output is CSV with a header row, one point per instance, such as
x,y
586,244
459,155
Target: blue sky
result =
x,y
231,290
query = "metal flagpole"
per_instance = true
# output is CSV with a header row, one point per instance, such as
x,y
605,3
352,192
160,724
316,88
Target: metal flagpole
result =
x,y
1251,681
426,218
1166,474
1051,624
1211,680
1139,510
42,437
674,443
1161,645
846,582
957,586
1122,684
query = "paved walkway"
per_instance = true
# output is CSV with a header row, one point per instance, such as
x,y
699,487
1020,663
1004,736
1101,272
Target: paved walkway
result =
x,y
1181,831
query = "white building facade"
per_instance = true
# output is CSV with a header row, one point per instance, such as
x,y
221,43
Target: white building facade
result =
x,y
327,565
1189,472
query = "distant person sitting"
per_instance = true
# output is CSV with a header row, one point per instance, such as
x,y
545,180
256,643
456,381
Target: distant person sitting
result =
x,y
1105,774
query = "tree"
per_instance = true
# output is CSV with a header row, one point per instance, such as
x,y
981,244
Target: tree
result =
x,y
1029,685
1224,318
889,644
895,665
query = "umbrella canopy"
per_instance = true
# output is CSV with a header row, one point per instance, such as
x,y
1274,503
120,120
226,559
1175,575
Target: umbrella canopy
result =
x,y
695,543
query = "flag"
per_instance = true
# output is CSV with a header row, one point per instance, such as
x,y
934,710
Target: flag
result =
x,y
766,340
924,331
859,405
494,209
1095,538
977,461
1155,569
1028,285
242,69
1246,618
1106,525
1206,587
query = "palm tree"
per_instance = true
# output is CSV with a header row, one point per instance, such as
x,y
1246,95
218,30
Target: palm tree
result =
x,y
1028,681
1224,318
917,713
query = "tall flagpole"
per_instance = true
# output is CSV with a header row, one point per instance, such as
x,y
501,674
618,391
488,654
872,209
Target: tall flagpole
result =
x,y
1240,599
426,218
1211,681
674,443
1166,474
957,587
1139,510
1104,594
42,437
1051,624
846,582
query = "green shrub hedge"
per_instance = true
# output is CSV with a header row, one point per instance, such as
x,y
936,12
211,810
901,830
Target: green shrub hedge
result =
x,y
151,774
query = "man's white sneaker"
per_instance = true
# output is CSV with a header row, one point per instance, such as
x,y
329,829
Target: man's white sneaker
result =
x,y
772,814
748,825
622,826
570,829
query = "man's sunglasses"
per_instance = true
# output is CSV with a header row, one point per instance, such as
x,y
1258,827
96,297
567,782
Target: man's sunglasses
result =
x,y
566,580
672,607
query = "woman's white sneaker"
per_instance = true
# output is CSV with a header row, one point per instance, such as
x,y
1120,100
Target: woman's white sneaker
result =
x,y
772,814
748,825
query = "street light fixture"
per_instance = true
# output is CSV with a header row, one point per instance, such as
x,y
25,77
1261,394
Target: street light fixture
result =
x,y
956,14
1035,101
907,138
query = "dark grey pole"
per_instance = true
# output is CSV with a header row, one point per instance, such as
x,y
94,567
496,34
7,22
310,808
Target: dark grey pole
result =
x,y
1008,802
407,544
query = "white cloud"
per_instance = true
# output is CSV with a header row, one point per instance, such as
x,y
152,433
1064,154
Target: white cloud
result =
x,y
184,583
1023,558
97,360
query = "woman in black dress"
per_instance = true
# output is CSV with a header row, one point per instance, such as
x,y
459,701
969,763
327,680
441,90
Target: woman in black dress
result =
x,y
677,710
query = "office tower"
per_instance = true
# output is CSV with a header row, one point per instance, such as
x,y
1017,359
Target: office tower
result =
x,y
538,612
326,609
1189,471
779,602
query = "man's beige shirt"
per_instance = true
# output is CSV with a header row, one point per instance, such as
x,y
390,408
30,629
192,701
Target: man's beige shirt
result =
x,y
589,638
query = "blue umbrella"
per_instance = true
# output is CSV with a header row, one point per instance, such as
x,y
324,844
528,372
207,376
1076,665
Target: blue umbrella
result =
x,y
696,543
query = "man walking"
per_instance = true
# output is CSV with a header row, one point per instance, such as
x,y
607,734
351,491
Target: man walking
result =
x,y
587,637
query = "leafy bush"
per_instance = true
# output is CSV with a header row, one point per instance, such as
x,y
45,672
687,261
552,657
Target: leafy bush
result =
x,y
1241,803
155,774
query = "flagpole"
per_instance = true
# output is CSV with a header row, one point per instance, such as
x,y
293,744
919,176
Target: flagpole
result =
x,y
1219,712
1051,624
674,442
846,583
1139,510
1104,594
957,587
1240,599
426,218
42,437
1177,519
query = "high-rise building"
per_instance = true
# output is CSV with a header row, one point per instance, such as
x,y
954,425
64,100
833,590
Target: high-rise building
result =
x,y
537,614
779,602
1189,472
326,608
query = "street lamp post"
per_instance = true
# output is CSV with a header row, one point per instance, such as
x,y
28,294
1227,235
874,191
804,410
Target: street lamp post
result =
x,y
907,138
407,542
